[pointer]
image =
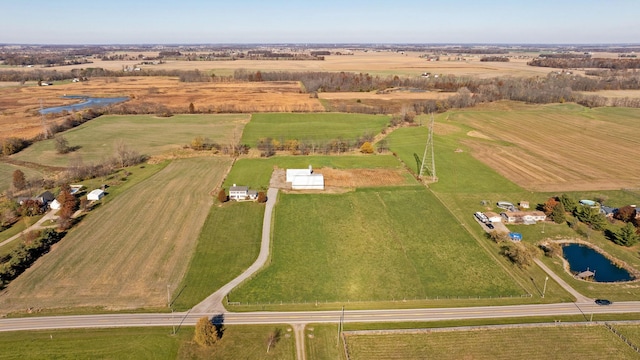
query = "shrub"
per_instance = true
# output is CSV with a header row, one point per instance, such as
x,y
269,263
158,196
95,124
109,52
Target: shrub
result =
x,y
222,196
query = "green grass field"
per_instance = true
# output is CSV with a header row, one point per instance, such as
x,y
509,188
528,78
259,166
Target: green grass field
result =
x,y
256,172
237,342
6,174
147,134
229,243
319,127
321,342
573,342
374,244
124,253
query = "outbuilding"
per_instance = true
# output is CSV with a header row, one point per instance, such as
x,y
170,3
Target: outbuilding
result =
x,y
95,195
308,182
55,205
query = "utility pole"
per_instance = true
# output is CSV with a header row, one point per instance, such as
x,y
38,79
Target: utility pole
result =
x,y
340,326
545,286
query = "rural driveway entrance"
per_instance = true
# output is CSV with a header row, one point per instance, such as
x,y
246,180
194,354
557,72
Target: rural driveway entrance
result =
x,y
51,215
213,303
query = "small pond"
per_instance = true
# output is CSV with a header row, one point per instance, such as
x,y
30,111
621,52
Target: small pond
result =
x,y
88,102
581,258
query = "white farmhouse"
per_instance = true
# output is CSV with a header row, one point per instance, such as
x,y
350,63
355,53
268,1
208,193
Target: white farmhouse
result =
x,y
95,195
238,192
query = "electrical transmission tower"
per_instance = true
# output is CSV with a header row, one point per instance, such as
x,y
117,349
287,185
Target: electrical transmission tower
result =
x,y
45,129
429,153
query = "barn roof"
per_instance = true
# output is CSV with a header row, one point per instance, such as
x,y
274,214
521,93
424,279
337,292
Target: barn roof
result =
x,y
308,180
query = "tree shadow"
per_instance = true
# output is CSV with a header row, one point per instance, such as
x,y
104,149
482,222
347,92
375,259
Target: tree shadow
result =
x,y
418,163
218,323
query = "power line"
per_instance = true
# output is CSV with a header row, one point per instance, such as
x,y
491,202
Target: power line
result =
x,y
428,150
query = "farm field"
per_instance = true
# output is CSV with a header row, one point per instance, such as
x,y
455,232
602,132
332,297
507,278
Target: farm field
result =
x,y
20,105
221,254
6,174
381,63
237,342
319,128
374,244
555,342
146,235
563,147
256,173
147,134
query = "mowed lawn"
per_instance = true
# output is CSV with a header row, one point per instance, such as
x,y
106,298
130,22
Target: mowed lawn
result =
x,y
371,245
126,252
318,127
562,342
147,134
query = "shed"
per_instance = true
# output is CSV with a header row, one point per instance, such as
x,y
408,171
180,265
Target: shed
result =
x,y
95,195
493,217
586,275
308,182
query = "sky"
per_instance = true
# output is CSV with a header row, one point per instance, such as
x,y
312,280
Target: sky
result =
x,y
325,21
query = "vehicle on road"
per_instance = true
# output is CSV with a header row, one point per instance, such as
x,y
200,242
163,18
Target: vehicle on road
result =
x,y
490,226
603,302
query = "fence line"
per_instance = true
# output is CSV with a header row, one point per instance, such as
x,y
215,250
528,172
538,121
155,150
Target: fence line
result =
x,y
622,337
403,300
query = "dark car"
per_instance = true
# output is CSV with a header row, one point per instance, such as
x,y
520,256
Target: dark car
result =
x,y
603,302
490,226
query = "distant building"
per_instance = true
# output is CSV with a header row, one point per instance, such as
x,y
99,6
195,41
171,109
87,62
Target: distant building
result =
x,y
55,205
493,217
524,204
523,217
95,195
45,198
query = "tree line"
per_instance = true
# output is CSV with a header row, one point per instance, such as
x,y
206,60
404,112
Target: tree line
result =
x,y
585,62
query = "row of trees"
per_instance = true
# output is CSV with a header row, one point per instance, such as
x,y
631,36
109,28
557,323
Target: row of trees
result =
x,y
268,146
34,244
574,62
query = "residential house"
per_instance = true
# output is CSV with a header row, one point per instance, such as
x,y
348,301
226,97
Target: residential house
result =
x,y
238,192
523,217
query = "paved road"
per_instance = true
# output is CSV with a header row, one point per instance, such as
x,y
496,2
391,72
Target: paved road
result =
x,y
304,317
213,303
51,215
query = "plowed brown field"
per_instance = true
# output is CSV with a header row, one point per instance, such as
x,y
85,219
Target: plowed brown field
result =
x,y
558,147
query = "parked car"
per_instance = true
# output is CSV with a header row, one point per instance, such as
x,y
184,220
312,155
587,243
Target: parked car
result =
x,y
490,226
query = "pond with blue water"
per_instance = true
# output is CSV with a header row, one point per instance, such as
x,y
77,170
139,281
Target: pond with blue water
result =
x,y
583,258
87,103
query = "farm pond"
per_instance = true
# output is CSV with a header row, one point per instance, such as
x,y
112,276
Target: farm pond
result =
x,y
87,103
582,258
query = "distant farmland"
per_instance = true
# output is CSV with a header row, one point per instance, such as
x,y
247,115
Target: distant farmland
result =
x,y
147,134
557,147
318,127
125,253
372,245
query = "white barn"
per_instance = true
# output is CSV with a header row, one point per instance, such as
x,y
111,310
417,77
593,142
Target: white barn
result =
x,y
96,194
305,179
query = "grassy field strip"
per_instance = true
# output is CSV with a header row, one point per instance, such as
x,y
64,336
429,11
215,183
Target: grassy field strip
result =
x,y
237,342
530,341
146,236
6,174
319,127
147,134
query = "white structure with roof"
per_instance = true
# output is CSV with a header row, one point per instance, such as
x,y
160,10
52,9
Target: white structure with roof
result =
x,y
305,179
55,205
96,194
238,192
